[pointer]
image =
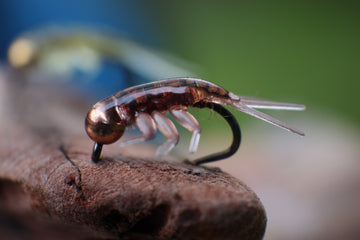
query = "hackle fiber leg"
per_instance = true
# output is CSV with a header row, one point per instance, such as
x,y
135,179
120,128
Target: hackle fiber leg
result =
x,y
189,122
168,129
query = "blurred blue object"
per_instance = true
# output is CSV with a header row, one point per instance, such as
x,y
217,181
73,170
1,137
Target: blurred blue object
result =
x,y
93,62
99,66
126,17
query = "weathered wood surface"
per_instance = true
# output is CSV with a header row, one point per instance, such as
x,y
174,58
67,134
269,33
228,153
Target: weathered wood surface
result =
x,y
45,157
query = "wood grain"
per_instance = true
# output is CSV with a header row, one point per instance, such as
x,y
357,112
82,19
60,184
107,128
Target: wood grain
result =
x,y
46,171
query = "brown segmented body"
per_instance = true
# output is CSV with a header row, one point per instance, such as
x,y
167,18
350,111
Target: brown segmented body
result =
x,y
163,96
146,105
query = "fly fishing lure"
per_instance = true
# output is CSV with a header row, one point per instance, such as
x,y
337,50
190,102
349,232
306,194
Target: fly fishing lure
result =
x,y
145,105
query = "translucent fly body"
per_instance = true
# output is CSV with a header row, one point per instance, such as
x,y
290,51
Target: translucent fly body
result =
x,y
146,105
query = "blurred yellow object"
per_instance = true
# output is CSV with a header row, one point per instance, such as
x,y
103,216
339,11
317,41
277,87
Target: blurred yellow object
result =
x,y
21,52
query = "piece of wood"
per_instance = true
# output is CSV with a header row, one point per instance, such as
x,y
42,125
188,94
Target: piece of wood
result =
x,y
45,153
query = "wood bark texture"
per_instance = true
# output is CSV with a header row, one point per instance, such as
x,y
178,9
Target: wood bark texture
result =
x,y
46,173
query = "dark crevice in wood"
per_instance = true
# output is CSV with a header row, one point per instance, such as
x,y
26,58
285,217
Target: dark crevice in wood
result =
x,y
154,221
70,180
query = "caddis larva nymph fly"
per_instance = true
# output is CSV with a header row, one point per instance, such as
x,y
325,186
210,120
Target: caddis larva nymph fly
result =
x,y
146,105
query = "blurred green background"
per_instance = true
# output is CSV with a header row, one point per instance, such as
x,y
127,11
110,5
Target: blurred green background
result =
x,y
297,51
